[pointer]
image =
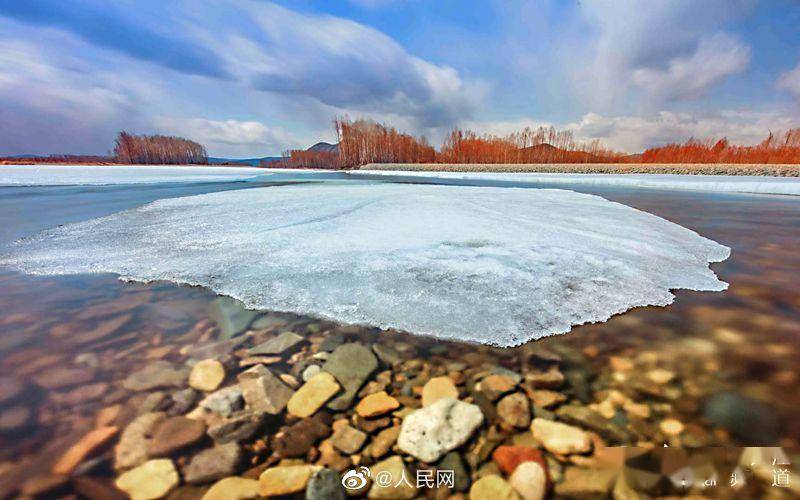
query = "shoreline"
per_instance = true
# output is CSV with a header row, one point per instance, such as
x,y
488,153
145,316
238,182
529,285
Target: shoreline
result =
x,y
776,170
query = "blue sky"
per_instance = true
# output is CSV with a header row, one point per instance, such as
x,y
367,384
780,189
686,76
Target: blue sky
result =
x,y
253,78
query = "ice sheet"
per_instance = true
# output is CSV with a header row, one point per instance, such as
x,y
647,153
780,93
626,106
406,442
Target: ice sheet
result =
x,y
499,266
98,175
753,184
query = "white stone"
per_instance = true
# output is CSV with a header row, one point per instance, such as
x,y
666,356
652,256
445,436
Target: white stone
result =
x,y
430,432
529,480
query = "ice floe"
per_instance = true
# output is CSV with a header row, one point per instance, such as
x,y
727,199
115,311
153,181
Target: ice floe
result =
x,y
751,184
499,266
98,175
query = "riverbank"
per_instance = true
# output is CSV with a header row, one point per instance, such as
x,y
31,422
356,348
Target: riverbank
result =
x,y
745,184
779,170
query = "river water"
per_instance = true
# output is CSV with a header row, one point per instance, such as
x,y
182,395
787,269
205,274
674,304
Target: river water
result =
x,y
725,365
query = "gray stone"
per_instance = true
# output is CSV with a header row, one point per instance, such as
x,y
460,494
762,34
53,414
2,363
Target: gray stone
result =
x,y
351,365
325,484
331,342
348,440
269,321
388,355
263,391
432,431
310,371
225,401
238,428
499,370
156,375
277,345
213,464
216,350
751,421
183,401
230,316
131,449
155,401
590,419
586,483
452,461
515,410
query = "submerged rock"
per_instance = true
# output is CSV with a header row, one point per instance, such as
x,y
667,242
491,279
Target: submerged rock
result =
x,y
207,375
131,449
286,480
351,364
313,395
561,439
438,388
156,375
325,484
430,432
89,443
153,479
751,421
529,480
298,439
395,469
281,344
174,434
213,463
230,315
453,461
376,404
515,410
263,391
347,439
238,428
233,488
492,487
224,402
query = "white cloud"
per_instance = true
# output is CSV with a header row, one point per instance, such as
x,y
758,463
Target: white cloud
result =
x,y
790,81
54,103
690,77
276,64
334,61
231,138
634,134
668,49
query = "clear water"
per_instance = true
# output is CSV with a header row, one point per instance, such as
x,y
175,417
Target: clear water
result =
x,y
742,343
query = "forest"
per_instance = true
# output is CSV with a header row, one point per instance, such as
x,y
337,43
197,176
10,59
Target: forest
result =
x,y
158,150
776,148
364,141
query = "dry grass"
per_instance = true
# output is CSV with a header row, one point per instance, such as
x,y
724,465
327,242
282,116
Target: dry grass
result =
x,y
780,170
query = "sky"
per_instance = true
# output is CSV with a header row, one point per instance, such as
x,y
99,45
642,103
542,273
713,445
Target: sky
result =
x,y
252,78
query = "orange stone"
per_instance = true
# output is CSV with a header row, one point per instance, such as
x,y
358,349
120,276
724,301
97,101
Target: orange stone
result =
x,y
90,442
376,404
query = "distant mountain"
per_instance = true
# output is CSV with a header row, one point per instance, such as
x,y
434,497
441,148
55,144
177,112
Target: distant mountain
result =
x,y
250,162
325,146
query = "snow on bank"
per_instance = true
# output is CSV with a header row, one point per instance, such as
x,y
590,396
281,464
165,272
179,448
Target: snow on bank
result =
x,y
709,183
99,175
498,266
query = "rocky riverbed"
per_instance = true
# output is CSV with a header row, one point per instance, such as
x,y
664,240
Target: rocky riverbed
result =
x,y
227,403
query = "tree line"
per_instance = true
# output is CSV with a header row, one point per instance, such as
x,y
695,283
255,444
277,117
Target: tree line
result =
x,y
776,148
364,141
158,150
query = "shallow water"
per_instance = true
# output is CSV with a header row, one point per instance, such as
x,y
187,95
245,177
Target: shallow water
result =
x,y
733,355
